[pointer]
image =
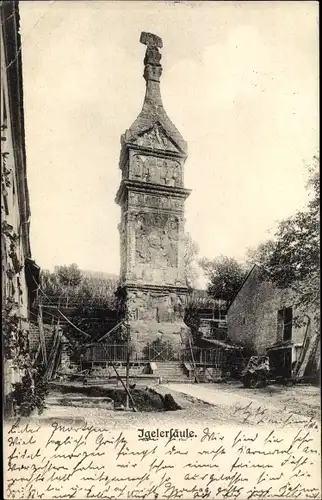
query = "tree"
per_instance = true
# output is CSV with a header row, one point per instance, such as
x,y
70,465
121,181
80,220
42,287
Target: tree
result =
x,y
92,304
225,277
292,259
259,256
93,290
69,276
191,250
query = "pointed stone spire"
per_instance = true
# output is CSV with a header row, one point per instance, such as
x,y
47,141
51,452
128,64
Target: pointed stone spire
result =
x,y
152,71
153,111
153,68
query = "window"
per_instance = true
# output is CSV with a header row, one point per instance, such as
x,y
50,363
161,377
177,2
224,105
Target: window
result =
x,y
284,323
220,314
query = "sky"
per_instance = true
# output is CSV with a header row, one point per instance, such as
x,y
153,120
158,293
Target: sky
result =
x,y
240,82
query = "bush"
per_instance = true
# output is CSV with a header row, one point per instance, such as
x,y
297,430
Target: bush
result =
x,y
30,393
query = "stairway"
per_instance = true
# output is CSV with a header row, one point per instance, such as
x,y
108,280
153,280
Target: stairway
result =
x,y
171,371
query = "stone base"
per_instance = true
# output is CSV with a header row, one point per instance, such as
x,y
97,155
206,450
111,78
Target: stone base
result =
x,y
152,303
147,332
155,313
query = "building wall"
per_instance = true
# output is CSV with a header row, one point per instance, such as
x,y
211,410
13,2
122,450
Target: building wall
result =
x,y
253,316
14,190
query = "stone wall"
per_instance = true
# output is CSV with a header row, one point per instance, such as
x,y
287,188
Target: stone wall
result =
x,y
252,318
34,337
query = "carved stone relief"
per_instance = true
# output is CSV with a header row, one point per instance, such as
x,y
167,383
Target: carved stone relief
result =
x,y
155,138
153,201
156,239
163,307
156,170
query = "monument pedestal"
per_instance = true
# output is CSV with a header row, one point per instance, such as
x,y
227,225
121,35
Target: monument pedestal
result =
x,y
156,313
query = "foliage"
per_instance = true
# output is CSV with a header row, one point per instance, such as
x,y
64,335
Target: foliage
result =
x,y
225,277
69,276
31,392
191,250
91,304
15,337
192,319
292,259
8,231
92,291
260,255
6,172
119,336
195,303
75,349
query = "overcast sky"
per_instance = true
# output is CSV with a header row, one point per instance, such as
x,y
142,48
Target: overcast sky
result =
x,y
240,82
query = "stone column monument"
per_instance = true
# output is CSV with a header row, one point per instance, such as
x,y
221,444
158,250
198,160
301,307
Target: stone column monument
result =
x,y
151,197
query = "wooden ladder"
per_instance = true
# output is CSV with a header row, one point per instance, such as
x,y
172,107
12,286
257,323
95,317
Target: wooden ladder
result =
x,y
310,344
52,359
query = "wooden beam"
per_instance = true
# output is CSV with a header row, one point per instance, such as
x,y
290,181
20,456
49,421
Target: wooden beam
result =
x,y
42,335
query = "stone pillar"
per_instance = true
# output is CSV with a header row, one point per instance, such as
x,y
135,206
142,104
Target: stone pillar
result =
x,y
152,196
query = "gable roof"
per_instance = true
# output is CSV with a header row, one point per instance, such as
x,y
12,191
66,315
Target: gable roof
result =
x,y
147,120
255,266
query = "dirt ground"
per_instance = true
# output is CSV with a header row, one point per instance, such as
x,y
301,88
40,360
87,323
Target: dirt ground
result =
x,y
224,403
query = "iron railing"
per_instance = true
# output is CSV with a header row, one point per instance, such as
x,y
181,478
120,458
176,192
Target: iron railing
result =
x,y
149,353
203,356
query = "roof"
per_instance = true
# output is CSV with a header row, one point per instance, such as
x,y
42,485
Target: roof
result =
x,y
243,284
153,115
220,343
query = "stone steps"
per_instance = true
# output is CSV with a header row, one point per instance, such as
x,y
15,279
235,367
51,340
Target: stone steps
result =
x,y
171,371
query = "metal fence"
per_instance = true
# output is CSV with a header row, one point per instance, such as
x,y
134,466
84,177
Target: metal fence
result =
x,y
100,352
203,356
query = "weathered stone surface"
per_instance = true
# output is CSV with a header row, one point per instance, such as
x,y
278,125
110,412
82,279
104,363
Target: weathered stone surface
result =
x,y
153,123
156,170
144,332
252,318
169,203
156,239
151,40
151,196
160,306
155,138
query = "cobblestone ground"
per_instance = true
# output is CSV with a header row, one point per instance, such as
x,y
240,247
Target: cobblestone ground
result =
x,y
210,404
